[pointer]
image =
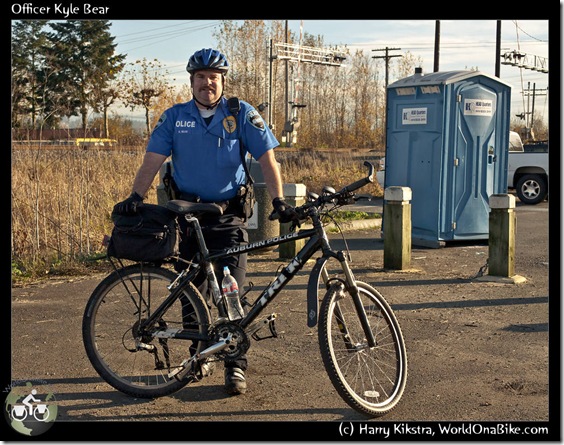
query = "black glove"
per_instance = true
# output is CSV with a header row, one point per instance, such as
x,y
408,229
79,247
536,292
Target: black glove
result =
x,y
286,213
129,205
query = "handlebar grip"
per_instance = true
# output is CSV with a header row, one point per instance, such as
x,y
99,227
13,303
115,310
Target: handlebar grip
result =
x,y
362,182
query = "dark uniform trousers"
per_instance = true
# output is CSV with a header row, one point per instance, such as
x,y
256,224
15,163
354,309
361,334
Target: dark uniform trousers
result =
x,y
220,232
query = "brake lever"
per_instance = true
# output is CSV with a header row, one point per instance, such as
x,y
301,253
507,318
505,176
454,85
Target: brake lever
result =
x,y
349,198
294,225
363,197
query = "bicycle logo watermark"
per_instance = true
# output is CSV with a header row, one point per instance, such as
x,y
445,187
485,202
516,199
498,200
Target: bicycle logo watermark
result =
x,y
30,407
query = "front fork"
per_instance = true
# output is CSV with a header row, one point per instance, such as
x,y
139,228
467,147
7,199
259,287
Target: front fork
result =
x,y
349,285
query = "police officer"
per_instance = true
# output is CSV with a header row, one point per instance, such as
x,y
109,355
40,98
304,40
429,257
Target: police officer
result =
x,y
203,138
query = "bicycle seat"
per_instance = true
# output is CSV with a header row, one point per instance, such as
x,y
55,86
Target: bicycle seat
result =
x,y
186,207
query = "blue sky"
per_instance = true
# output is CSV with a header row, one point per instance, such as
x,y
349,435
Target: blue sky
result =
x,y
464,44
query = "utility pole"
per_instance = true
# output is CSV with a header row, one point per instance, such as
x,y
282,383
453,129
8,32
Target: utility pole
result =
x,y
287,133
271,57
387,57
530,121
498,49
437,45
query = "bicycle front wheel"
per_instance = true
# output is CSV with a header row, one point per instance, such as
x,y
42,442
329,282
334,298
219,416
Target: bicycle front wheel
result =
x,y
134,363
370,380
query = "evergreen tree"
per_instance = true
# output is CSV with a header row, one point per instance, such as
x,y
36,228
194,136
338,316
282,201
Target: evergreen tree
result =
x,y
28,40
84,63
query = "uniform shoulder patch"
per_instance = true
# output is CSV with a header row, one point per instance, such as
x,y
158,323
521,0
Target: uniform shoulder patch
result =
x,y
160,121
255,119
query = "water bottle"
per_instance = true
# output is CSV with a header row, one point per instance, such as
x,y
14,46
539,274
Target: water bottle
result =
x,y
230,290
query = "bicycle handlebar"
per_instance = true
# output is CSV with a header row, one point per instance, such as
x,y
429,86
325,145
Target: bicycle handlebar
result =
x,y
345,193
361,182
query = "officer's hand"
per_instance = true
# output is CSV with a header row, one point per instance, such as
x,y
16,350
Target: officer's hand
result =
x,y
286,213
129,206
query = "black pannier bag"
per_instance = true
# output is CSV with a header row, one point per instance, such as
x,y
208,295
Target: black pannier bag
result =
x,y
151,234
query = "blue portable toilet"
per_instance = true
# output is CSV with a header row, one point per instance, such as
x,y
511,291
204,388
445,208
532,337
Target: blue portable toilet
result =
x,y
447,138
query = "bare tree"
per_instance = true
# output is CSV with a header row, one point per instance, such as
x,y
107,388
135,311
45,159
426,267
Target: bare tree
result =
x,y
142,84
103,97
405,66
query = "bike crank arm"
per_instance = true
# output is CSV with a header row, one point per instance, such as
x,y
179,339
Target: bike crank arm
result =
x,y
213,349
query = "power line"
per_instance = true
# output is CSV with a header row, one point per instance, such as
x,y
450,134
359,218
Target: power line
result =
x,y
525,32
166,35
148,33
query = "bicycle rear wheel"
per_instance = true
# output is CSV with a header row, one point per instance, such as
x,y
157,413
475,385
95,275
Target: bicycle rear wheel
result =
x,y
370,380
111,338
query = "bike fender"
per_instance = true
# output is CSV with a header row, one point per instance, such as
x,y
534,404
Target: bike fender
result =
x,y
312,290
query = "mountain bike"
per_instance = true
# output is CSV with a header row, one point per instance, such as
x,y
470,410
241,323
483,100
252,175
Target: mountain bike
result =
x,y
148,331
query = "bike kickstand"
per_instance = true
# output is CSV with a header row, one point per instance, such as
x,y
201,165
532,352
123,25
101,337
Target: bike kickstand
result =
x,y
267,321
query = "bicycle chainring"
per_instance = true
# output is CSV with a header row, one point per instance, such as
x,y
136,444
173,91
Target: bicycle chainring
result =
x,y
239,343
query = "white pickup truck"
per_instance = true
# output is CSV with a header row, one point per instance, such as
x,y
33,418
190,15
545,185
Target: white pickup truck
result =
x,y
527,169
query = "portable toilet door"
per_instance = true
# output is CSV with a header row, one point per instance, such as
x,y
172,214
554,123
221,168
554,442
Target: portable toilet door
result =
x,y
480,134
447,134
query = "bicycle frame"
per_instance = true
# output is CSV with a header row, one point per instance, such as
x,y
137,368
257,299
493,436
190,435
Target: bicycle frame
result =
x,y
317,241
133,346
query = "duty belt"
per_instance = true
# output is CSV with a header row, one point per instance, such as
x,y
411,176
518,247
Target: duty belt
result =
x,y
232,205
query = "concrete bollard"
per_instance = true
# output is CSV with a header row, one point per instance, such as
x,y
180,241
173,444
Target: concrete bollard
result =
x,y
259,226
397,224
294,195
502,226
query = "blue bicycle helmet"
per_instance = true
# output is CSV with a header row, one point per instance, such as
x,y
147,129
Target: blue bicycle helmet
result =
x,y
206,59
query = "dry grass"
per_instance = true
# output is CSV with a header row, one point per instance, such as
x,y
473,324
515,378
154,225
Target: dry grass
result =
x,y
319,168
62,199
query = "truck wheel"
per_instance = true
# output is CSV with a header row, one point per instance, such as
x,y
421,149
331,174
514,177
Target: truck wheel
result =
x,y
531,189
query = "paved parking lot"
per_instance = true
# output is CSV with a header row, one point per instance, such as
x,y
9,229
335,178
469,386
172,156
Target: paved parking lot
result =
x,y
478,351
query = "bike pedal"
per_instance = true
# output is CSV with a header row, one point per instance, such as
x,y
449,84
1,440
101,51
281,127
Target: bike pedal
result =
x,y
206,369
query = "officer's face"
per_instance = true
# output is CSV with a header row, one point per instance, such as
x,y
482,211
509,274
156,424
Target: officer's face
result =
x,y
207,86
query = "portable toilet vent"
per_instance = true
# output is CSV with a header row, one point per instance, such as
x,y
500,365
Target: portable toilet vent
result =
x,y
447,138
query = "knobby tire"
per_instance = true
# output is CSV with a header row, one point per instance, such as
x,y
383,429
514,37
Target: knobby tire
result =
x,y
370,380
109,330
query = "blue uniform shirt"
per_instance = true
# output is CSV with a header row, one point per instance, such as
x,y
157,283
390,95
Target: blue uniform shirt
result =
x,y
206,159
